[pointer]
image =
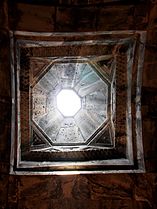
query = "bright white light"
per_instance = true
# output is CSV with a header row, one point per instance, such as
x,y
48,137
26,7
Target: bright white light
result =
x,y
68,102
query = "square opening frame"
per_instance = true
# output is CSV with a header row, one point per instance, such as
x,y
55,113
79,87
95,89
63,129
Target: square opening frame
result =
x,y
115,145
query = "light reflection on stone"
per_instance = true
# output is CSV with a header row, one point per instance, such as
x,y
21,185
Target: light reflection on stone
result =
x,y
90,102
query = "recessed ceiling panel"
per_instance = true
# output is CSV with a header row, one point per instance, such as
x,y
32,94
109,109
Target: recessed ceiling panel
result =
x,y
77,102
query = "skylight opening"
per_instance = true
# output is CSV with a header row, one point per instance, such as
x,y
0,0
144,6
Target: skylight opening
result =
x,y
68,102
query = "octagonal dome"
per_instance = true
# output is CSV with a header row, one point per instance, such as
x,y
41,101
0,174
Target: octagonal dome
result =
x,y
91,92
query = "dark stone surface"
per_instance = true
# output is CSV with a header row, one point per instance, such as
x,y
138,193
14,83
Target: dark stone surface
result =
x,y
112,191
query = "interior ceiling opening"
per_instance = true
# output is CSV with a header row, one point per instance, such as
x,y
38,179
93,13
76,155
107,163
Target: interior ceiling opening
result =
x,y
97,77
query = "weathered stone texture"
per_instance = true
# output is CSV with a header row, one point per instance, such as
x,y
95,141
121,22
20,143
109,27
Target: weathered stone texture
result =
x,y
38,191
39,18
5,86
77,16
75,19
115,18
90,191
3,190
149,91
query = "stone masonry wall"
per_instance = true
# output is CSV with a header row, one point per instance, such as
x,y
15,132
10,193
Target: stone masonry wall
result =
x,y
109,191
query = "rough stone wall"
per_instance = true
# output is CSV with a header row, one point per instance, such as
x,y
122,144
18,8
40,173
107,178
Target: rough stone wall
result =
x,y
111,191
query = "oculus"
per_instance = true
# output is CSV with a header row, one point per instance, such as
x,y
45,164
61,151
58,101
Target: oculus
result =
x,y
68,102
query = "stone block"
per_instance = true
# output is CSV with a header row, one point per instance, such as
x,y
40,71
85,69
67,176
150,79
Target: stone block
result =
x,y
33,17
5,132
38,192
75,19
150,74
5,78
115,18
3,190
